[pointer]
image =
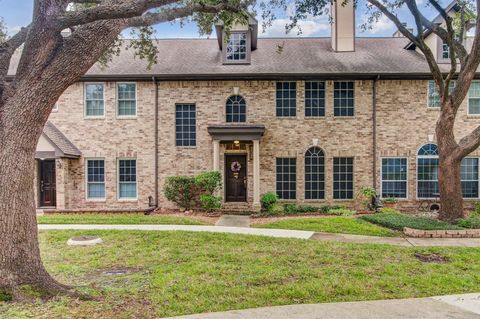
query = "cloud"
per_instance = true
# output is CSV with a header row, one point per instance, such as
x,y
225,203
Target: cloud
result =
x,y
382,25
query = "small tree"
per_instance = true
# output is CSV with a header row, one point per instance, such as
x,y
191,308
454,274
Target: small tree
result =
x,y
463,67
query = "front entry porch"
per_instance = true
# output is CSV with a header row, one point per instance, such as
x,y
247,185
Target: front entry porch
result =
x,y
238,146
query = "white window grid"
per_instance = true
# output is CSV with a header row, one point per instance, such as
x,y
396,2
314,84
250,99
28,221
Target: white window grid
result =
x,y
474,98
127,99
127,176
236,109
185,125
94,99
237,47
95,177
314,98
469,177
394,177
433,95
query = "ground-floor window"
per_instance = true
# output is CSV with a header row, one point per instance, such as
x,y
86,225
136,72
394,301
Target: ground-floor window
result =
x,y
127,179
95,178
343,177
286,175
314,174
469,177
394,177
427,171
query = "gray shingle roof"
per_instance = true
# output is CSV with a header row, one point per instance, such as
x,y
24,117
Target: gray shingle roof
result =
x,y
197,58
66,148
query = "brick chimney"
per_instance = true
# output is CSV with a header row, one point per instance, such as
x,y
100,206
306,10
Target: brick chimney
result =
x,y
343,25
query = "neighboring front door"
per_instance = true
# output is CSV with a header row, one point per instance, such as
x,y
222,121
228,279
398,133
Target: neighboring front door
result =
x,y
47,183
236,178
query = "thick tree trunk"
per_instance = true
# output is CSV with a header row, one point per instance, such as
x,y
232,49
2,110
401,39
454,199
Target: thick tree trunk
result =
x,y
20,262
451,198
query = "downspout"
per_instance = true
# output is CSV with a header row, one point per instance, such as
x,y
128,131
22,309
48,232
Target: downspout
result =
x,y
156,140
374,130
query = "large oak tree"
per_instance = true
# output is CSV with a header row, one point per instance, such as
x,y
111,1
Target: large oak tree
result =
x,y
462,68
49,63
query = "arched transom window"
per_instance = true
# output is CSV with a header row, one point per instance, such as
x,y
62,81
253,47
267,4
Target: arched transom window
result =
x,y
427,171
236,109
314,173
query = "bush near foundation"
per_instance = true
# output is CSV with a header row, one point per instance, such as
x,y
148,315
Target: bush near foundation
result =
x,y
393,219
187,191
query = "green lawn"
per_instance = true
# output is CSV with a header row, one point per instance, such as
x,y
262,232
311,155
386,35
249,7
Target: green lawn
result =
x,y
185,273
347,225
116,219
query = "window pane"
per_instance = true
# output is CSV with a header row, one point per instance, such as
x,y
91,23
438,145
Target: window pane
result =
x,y
236,47
94,102
314,98
127,104
185,125
469,177
343,178
314,174
127,176
433,95
394,177
286,178
427,177
95,179
343,98
236,109
286,103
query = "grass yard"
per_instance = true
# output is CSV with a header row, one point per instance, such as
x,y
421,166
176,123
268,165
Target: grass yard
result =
x,y
184,273
346,225
116,219
398,221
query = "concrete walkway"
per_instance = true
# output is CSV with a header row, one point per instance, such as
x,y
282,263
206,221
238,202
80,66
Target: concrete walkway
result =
x,y
233,221
280,233
445,307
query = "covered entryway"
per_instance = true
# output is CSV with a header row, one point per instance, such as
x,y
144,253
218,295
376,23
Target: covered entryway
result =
x,y
235,178
53,153
47,183
236,169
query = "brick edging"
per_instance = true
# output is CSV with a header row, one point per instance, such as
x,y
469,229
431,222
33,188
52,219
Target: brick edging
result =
x,y
453,233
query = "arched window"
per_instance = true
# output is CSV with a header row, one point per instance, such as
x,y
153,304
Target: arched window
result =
x,y
427,171
314,173
236,109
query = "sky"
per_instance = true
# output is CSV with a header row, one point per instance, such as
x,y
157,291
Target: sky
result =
x,y
18,13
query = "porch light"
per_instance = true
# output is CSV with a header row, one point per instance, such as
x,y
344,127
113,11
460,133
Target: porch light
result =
x,y
236,143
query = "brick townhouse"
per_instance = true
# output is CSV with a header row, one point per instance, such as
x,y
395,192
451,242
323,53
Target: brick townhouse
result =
x,y
312,119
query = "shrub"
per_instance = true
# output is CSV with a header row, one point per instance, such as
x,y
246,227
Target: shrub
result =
x,y
268,200
392,200
210,202
180,190
208,182
387,210
293,209
366,195
398,221
341,212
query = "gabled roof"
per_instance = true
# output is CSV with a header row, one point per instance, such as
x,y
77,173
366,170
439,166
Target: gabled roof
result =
x,y
63,146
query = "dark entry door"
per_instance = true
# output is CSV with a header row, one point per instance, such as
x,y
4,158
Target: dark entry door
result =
x,y
47,183
236,178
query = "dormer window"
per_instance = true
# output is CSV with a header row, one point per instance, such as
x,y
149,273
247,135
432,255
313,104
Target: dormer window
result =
x,y
236,48
445,51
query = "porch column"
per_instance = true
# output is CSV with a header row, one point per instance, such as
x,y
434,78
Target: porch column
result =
x,y
256,173
216,155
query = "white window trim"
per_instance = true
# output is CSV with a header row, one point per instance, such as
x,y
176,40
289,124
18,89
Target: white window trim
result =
x,y
468,101
175,125
416,171
353,178
117,101
127,199
85,101
296,179
381,176
86,179
333,100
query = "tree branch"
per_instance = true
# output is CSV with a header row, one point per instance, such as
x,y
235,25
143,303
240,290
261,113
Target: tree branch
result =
x,y
151,18
470,142
7,49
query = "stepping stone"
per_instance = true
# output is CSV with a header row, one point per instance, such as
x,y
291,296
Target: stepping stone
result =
x,y
233,221
84,241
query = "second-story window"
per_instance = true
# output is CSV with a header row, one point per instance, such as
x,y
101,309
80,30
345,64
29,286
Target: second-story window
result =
x,y
474,98
185,125
236,109
433,96
94,100
314,98
343,98
127,99
237,47
286,99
